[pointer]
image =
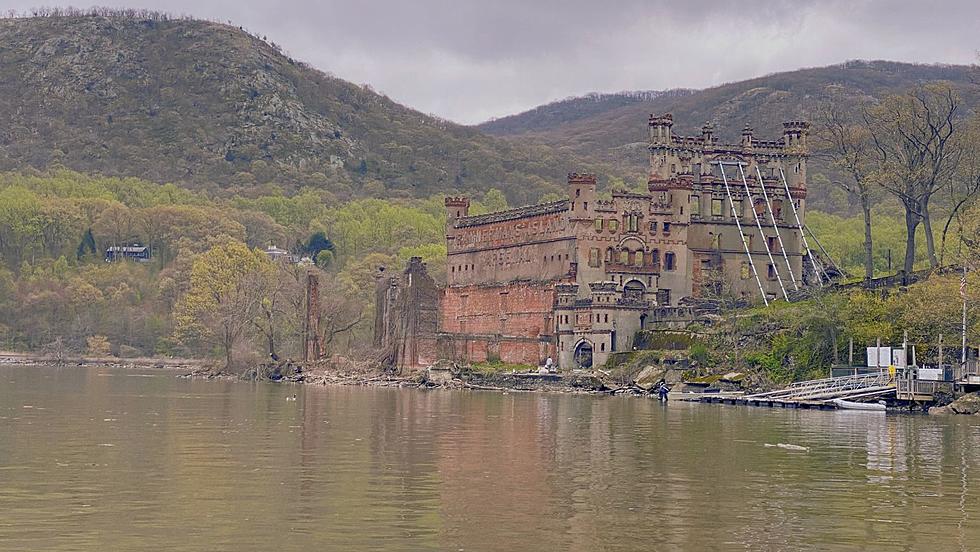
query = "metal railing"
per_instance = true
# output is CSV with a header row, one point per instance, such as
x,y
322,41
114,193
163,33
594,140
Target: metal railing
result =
x,y
831,388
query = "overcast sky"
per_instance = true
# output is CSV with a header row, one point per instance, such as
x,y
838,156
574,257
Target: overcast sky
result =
x,y
470,60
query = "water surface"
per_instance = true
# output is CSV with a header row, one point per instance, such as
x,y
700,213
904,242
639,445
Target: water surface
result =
x,y
104,459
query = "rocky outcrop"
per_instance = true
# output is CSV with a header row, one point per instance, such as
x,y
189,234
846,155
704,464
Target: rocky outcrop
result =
x,y
967,404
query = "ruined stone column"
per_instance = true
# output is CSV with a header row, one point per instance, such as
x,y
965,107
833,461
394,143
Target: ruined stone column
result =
x,y
312,330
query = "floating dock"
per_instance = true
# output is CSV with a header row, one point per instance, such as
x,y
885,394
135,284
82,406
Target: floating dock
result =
x,y
815,394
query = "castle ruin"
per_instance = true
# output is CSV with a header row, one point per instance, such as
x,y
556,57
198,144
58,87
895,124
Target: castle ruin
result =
x,y
576,279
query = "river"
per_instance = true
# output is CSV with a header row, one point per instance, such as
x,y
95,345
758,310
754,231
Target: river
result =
x,y
110,459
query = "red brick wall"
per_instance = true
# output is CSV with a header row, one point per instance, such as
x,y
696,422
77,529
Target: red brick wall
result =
x,y
512,323
518,309
474,348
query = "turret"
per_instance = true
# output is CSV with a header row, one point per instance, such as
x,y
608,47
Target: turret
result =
x,y
708,133
456,207
660,133
581,194
794,135
794,142
747,136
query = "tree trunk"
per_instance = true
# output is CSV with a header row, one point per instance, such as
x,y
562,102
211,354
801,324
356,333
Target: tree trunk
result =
x,y
228,346
927,226
271,336
869,265
912,220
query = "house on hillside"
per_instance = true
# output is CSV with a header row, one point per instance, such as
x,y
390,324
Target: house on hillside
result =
x,y
135,252
278,254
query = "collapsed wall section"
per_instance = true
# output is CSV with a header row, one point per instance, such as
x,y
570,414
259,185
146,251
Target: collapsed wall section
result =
x,y
406,317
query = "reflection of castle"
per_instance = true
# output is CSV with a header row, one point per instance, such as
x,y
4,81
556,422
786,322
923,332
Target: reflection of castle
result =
x,y
577,278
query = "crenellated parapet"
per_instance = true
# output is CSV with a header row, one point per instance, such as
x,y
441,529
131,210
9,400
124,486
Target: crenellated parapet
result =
x,y
581,178
458,202
603,287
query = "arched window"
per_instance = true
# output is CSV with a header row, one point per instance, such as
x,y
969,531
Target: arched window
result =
x,y
610,254
669,260
655,257
638,258
624,256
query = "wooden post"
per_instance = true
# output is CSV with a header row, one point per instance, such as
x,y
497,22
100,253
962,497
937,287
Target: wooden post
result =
x,y
940,351
850,352
312,350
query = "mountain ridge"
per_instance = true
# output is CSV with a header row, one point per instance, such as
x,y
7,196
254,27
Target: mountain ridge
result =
x,y
208,105
617,136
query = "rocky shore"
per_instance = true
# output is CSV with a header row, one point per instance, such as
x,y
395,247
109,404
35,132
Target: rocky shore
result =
x,y
967,404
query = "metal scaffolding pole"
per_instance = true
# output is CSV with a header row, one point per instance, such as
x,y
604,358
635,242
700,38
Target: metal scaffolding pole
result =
x,y
762,233
824,251
799,226
779,237
738,224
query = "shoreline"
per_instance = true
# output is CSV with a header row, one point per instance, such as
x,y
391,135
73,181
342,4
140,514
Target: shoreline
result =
x,y
585,383
578,384
13,358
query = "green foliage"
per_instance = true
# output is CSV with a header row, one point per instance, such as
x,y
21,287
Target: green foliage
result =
x,y
228,284
324,259
699,353
843,237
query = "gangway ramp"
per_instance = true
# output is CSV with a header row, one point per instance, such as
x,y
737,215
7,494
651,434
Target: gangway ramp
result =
x,y
819,393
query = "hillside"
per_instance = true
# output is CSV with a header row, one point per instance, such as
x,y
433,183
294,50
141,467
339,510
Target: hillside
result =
x,y
615,131
207,105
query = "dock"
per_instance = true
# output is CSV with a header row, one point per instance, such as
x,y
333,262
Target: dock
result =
x,y
817,394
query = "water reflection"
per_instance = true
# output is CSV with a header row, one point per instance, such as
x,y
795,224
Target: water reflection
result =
x,y
97,459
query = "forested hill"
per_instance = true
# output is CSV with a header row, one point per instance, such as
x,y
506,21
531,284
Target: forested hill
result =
x,y
614,131
204,104
555,114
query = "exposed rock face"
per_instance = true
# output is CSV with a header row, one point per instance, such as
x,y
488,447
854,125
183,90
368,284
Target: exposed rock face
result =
x,y
649,377
967,404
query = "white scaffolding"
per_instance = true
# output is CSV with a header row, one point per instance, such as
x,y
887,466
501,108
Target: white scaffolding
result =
x,y
779,236
762,234
738,223
799,225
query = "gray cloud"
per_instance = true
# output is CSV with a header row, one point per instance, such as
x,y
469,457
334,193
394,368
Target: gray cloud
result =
x,y
469,60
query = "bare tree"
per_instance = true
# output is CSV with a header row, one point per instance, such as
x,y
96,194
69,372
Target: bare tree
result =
x,y
914,153
965,184
846,144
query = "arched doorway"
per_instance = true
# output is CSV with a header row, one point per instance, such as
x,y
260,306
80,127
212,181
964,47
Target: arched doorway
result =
x,y
583,355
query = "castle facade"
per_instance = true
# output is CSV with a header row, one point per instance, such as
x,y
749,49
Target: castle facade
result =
x,y
575,279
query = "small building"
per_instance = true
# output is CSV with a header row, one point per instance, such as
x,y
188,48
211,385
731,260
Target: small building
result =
x,y
278,254
135,252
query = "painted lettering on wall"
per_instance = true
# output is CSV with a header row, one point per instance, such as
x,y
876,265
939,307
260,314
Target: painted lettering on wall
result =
x,y
502,235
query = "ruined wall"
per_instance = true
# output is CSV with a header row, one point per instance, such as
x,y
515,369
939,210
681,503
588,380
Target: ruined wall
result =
x,y
530,243
407,318
511,322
